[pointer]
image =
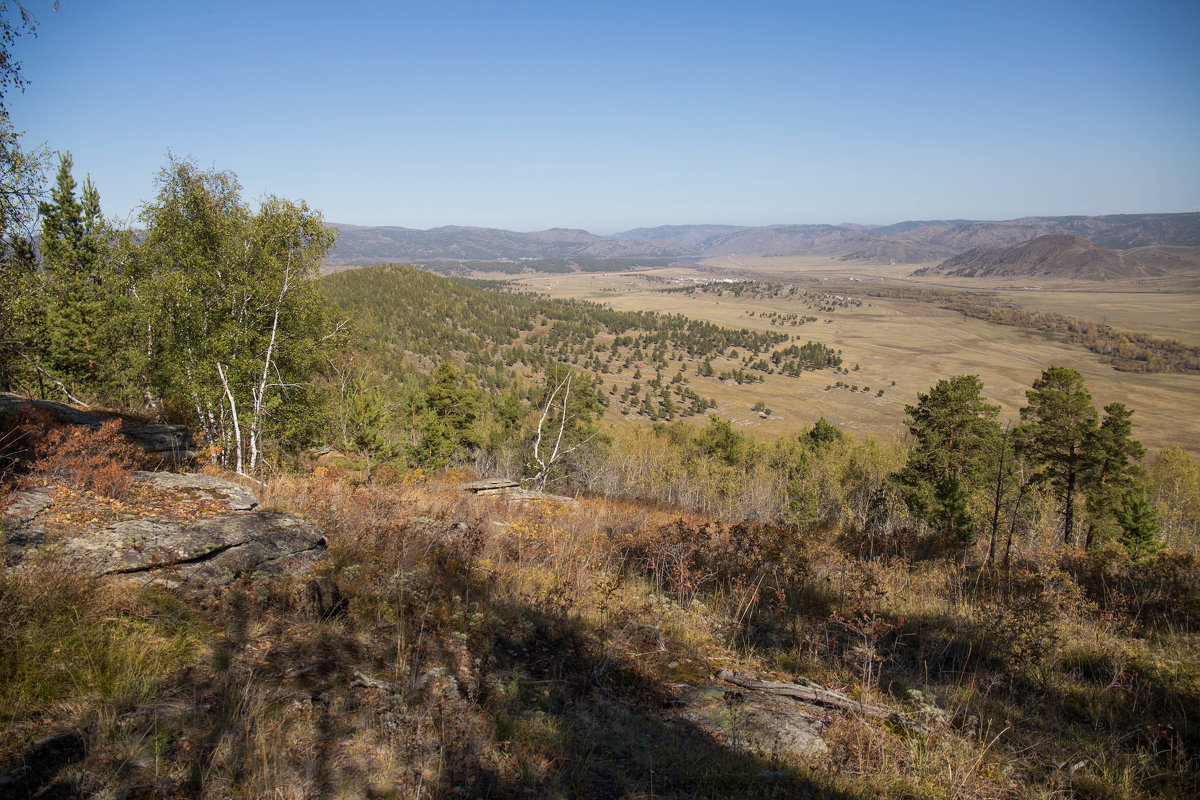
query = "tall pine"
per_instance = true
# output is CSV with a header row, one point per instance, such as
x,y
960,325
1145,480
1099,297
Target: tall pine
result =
x,y
78,298
1060,437
1116,474
952,429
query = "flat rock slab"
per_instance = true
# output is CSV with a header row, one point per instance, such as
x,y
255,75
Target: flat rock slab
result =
x,y
510,491
753,722
197,486
27,505
488,485
217,550
18,525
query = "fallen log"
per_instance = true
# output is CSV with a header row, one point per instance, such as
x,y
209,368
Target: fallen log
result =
x,y
818,695
367,682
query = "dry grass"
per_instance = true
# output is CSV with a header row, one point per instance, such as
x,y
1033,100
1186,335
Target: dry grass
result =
x,y
533,651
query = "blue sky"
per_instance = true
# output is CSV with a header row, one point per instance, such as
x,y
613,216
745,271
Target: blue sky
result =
x,y
612,115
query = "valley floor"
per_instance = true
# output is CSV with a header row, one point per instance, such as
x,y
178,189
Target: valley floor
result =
x,y
903,346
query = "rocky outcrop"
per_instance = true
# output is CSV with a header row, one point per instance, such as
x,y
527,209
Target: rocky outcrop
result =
x,y
162,445
757,715
197,487
753,722
510,491
216,549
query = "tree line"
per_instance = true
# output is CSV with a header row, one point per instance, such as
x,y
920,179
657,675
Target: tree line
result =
x,y
206,313
961,456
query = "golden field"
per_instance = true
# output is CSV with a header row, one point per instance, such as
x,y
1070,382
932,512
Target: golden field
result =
x,y
912,343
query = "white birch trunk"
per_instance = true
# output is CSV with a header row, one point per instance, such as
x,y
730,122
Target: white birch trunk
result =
x,y
260,394
237,430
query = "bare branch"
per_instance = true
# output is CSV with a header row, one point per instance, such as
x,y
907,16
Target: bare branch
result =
x,y
338,328
537,442
56,382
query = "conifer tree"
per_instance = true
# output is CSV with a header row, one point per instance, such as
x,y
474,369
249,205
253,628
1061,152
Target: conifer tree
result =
x,y
78,302
953,429
367,415
1139,527
452,405
1059,436
824,432
1116,473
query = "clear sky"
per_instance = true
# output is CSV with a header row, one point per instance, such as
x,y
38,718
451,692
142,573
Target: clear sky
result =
x,y
612,115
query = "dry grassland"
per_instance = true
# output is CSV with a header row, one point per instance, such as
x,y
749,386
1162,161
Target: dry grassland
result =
x,y
911,343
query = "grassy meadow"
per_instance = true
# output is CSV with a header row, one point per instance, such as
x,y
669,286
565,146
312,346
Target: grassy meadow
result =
x,y
910,343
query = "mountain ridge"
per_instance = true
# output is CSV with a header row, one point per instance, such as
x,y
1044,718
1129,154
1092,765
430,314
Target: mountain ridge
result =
x,y
1067,256
907,242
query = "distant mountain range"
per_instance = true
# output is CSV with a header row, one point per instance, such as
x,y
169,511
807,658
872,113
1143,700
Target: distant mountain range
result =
x,y
374,245
911,242
1067,256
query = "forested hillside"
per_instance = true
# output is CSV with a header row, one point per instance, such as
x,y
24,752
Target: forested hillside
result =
x,y
903,242
412,320
372,245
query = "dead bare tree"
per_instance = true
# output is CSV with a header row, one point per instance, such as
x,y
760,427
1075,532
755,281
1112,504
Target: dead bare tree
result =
x,y
557,453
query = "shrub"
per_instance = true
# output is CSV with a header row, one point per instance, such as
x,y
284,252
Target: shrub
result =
x,y
1021,627
1159,589
20,436
100,460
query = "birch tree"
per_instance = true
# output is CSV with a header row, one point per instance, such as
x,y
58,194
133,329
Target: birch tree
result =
x,y
566,421
236,327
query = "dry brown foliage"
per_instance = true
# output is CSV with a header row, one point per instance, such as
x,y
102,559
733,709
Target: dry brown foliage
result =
x,y
100,460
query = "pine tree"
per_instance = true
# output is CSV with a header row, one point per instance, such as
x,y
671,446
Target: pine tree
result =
x,y
79,303
367,416
63,225
952,429
1060,436
1139,526
452,403
1116,472
824,432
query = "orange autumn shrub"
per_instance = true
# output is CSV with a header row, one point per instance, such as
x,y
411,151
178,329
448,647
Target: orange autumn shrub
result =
x,y
101,460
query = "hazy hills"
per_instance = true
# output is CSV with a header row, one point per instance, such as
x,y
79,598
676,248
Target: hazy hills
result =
x,y
916,241
373,245
910,242
1067,256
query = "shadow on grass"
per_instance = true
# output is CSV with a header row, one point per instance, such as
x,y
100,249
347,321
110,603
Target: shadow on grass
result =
x,y
555,715
592,725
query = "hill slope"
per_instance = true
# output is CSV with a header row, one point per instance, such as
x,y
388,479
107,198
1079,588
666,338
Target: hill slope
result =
x,y
657,366
1067,256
